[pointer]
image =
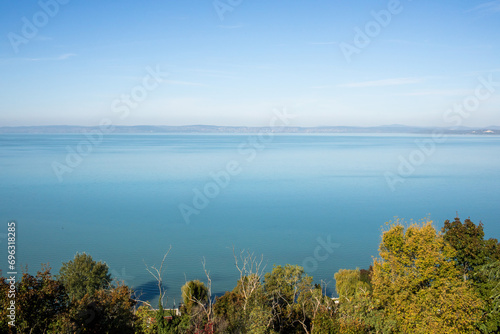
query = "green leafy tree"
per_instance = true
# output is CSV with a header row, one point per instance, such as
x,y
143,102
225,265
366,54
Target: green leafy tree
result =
x,y
145,320
477,259
351,283
313,309
193,293
487,279
417,284
197,304
238,312
107,311
325,322
472,250
83,275
40,300
228,310
356,311
244,309
285,288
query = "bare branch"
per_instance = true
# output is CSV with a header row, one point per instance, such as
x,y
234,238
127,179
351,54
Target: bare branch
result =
x,y
157,274
251,273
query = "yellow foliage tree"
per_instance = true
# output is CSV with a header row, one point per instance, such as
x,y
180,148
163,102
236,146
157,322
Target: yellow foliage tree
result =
x,y
418,286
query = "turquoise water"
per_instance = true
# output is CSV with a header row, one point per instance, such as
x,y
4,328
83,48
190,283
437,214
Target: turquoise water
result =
x,y
283,196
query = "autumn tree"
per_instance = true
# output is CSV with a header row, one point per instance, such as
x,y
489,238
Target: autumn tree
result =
x,y
418,286
40,300
105,311
83,275
96,305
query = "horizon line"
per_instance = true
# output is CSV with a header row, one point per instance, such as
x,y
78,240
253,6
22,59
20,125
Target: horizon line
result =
x,y
258,126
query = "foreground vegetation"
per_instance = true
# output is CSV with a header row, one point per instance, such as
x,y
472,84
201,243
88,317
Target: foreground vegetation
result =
x,y
423,281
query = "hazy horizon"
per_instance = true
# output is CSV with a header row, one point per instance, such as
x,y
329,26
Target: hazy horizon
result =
x,y
493,126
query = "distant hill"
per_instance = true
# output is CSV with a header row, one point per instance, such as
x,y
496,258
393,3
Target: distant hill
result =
x,y
395,128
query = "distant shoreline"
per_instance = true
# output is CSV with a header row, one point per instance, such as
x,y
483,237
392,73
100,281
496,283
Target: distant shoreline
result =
x,y
213,129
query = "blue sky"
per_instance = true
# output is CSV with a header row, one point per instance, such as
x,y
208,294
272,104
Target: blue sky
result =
x,y
234,64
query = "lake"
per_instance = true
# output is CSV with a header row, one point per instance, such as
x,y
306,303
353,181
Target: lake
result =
x,y
319,201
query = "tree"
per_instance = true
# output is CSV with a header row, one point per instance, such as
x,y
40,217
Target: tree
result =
x,y
236,312
325,322
40,300
477,259
193,293
316,311
234,316
251,274
160,321
487,280
283,287
471,249
106,311
198,303
351,283
244,309
229,315
417,284
356,308
83,275
145,322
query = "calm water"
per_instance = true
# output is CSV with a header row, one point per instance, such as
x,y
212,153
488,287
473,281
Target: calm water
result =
x,y
285,199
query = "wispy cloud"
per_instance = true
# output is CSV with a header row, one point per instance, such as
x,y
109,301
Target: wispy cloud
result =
x,y
56,58
61,57
66,56
323,43
490,7
439,92
381,83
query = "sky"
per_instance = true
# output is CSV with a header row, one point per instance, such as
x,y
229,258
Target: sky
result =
x,y
234,62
